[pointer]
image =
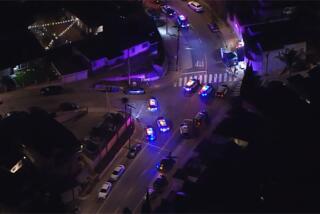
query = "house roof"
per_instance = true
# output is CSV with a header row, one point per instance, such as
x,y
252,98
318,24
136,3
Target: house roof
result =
x,y
122,28
67,62
272,36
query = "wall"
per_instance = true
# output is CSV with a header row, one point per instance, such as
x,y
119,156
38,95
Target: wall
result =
x,y
135,50
99,63
81,75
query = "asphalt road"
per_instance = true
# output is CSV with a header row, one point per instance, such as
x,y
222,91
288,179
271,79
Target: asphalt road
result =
x,y
196,56
196,59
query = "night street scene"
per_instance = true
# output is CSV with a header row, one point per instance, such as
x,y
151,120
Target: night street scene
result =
x,y
159,106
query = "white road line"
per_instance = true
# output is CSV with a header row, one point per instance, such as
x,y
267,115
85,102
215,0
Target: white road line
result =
x,y
200,78
185,80
180,81
190,77
175,84
205,78
195,77
194,72
220,77
225,77
210,78
215,78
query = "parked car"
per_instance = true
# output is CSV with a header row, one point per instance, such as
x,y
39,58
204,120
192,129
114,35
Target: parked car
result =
x,y
160,183
134,150
117,172
206,90
102,87
105,190
51,90
187,128
201,118
222,91
91,146
195,6
150,133
183,22
191,85
166,164
68,106
169,11
134,90
213,27
163,124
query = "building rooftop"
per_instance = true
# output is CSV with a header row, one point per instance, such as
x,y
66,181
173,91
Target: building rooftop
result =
x,y
272,36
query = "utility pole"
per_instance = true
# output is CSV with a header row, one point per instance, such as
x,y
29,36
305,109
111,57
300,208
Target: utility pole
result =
x,y
166,24
129,67
178,46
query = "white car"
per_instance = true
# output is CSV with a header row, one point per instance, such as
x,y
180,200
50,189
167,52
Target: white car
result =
x,y
117,172
195,6
222,91
105,190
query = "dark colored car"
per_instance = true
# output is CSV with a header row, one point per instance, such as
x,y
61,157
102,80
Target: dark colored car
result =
x,y
134,150
134,90
67,106
213,27
51,90
169,11
201,118
160,183
166,164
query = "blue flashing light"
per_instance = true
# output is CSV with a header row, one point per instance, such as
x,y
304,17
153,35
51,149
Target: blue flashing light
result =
x,y
182,17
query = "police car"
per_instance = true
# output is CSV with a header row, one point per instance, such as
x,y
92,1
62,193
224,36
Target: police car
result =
x,y
150,133
152,104
183,21
163,124
206,90
191,85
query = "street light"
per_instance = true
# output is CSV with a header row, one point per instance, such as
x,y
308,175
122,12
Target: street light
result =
x,y
178,46
129,67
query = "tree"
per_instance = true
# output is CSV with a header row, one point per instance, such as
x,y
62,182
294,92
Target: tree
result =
x,y
250,83
291,58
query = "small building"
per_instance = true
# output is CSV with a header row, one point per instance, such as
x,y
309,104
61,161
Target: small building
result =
x,y
264,42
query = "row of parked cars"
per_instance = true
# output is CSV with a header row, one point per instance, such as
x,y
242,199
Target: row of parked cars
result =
x,y
206,90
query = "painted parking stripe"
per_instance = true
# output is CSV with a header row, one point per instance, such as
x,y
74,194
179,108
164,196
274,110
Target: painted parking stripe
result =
x,y
210,78
205,78
215,78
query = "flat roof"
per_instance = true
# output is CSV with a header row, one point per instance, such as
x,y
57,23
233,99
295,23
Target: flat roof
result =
x,y
275,35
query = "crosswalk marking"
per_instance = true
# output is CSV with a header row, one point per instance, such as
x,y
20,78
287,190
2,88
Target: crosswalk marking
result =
x,y
185,80
206,78
225,77
220,77
200,79
210,78
230,78
215,78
